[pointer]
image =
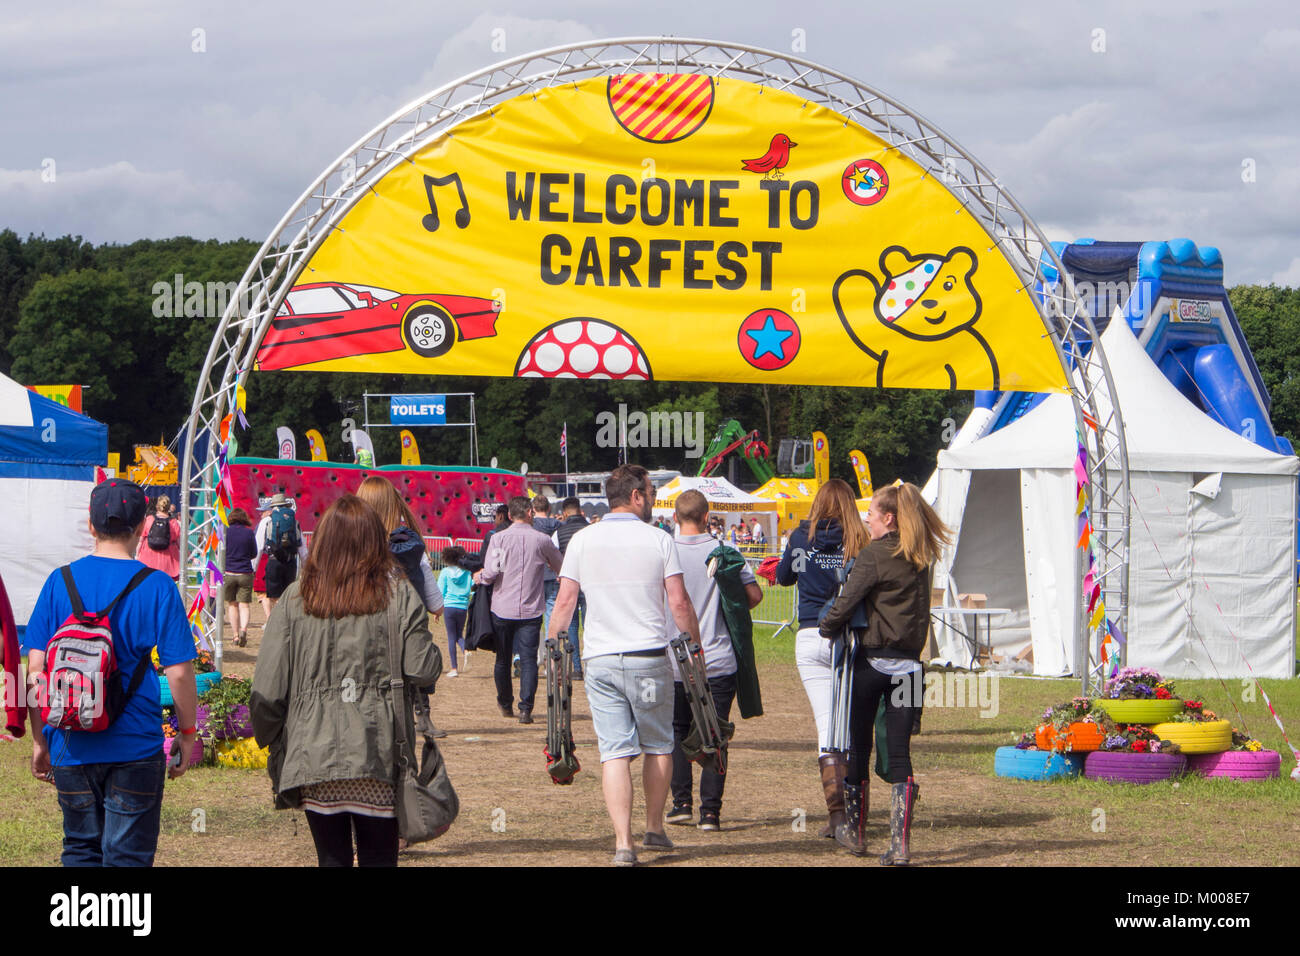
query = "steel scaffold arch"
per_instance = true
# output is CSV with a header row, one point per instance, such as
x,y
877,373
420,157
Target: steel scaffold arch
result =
x,y
317,212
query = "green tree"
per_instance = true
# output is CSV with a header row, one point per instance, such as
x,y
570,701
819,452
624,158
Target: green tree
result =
x,y
71,329
1270,320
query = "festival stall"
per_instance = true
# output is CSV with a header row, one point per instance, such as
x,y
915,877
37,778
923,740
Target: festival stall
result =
x,y
1211,579
48,456
725,500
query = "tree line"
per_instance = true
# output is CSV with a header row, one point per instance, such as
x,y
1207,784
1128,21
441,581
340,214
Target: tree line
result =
x,y
75,313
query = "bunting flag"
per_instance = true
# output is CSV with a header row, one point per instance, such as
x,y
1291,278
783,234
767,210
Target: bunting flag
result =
x,y
1080,471
215,572
1085,531
1082,503
1116,633
1097,615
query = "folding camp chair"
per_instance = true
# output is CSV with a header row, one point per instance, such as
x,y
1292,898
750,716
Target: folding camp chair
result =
x,y
561,758
707,741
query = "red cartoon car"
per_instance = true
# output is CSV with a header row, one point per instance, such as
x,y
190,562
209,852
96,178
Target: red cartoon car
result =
x,y
329,320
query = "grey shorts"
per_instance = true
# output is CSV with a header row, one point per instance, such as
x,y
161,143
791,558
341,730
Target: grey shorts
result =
x,y
631,701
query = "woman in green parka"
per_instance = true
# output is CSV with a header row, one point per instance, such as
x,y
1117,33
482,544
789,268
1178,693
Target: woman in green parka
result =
x,y
322,700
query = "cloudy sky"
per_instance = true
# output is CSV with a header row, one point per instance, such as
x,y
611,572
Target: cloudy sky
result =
x,y
1117,120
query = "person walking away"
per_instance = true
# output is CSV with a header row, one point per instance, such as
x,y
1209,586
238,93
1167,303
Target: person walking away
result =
x,y
694,545
237,583
160,544
629,569
891,578
333,748
110,782
813,555
407,546
543,522
572,521
456,584
513,566
279,537
501,517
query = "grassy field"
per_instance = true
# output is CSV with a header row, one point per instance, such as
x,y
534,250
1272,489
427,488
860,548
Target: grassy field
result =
x,y
511,814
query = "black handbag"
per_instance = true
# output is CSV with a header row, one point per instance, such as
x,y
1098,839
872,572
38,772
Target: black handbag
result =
x,y
424,799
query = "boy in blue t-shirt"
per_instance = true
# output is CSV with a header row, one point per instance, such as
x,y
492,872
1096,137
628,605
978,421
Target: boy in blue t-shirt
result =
x,y
110,783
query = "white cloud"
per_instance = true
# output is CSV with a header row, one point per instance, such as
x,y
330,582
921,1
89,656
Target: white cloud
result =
x,y
1290,276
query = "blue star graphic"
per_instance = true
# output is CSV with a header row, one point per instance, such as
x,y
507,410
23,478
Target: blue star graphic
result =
x,y
769,340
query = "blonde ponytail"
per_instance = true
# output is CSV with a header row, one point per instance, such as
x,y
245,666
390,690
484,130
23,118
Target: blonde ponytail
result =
x,y
921,535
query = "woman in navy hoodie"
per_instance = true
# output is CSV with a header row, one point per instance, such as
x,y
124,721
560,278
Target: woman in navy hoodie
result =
x,y
814,553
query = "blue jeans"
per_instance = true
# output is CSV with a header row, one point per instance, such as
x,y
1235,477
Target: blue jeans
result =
x,y
112,812
519,637
552,589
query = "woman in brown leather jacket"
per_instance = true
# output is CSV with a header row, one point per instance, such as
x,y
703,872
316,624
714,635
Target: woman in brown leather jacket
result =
x,y
891,577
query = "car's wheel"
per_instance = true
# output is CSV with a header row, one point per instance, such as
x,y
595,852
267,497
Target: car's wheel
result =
x,y
1035,764
429,330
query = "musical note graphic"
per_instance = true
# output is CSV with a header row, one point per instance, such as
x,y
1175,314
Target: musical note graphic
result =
x,y
431,222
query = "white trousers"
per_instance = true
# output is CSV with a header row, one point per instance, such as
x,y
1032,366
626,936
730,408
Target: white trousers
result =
x,y
812,655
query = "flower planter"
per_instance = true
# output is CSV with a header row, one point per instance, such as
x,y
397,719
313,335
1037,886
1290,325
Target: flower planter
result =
x,y
196,755
202,683
1238,764
1202,737
1124,767
1035,764
238,723
1140,711
243,754
1079,737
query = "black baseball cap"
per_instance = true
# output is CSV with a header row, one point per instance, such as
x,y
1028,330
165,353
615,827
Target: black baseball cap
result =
x,y
116,506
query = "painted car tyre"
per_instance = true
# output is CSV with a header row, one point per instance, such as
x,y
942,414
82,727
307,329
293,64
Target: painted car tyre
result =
x,y
1035,764
1122,767
202,684
583,348
1238,764
1203,737
1140,711
196,755
429,330
1079,737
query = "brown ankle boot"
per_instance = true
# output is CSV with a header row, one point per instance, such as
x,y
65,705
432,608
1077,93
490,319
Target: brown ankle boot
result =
x,y
833,767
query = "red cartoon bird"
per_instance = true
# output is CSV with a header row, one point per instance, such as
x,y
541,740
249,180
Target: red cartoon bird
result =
x,y
774,160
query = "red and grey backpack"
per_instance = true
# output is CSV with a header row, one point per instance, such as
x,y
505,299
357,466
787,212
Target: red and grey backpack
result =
x,y
81,673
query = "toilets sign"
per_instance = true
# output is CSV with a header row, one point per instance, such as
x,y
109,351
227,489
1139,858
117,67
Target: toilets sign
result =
x,y
417,409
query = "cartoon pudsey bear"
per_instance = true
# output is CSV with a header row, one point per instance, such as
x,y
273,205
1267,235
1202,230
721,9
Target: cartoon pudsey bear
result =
x,y
930,300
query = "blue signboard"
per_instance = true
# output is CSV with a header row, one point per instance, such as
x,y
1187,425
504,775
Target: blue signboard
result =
x,y
417,409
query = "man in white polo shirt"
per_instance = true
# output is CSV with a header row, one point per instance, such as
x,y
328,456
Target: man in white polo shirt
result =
x,y
628,569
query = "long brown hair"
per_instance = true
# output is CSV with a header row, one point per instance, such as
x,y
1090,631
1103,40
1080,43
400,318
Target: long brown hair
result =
x,y
835,502
387,501
921,534
349,567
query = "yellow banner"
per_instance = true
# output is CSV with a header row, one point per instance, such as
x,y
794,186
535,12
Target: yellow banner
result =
x,y
667,226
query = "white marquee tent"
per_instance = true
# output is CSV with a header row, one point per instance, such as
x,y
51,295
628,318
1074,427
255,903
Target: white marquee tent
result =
x,y
1212,569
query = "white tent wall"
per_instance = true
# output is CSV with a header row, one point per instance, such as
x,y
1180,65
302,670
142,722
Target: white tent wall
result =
x,y
1016,547
45,528
1220,568
1047,504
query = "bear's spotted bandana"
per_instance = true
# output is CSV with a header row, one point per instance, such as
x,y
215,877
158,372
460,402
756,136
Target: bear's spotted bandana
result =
x,y
905,289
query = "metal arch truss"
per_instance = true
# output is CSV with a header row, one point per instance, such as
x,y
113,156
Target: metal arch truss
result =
x,y
318,212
